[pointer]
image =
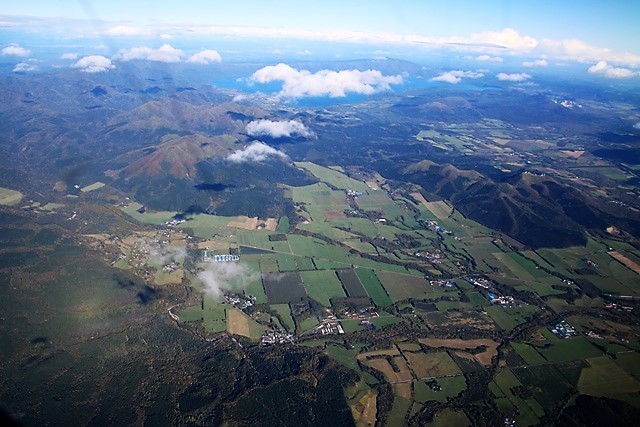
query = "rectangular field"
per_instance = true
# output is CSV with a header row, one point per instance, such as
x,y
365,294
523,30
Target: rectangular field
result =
x,y
440,209
333,177
283,288
403,286
351,283
373,286
428,365
322,285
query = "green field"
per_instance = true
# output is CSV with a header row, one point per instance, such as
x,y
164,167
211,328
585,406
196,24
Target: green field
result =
x,y
285,313
213,316
509,318
374,287
402,286
95,186
528,353
333,177
451,387
9,197
605,378
154,218
575,348
322,285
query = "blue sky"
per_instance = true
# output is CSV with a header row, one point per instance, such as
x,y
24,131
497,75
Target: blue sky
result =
x,y
602,36
609,24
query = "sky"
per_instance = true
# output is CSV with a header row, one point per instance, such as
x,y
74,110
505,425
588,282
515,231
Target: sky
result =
x,y
602,35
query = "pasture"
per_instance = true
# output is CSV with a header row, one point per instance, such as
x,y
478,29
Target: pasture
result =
x,y
283,288
373,286
322,285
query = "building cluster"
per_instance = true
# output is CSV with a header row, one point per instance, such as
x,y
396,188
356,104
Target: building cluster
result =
x,y
615,306
239,301
480,281
329,326
501,299
433,256
563,329
272,337
174,222
354,193
361,313
442,283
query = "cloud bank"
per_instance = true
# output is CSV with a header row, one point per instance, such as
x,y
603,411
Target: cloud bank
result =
x,y
205,57
300,83
69,55
276,129
24,67
226,276
538,63
256,152
165,53
93,64
15,50
514,77
488,58
456,76
603,68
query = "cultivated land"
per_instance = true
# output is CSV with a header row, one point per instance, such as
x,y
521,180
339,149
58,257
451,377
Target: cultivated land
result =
x,y
431,289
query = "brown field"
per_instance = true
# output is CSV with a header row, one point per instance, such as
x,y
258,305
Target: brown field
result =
x,y
574,154
237,323
333,214
484,358
364,410
630,264
419,197
271,224
382,365
389,352
372,185
402,390
244,223
427,365
440,209
466,319
214,245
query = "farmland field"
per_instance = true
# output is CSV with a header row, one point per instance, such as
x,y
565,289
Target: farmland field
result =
x,y
333,177
352,283
283,288
605,378
451,387
373,286
9,197
402,286
285,313
428,365
322,285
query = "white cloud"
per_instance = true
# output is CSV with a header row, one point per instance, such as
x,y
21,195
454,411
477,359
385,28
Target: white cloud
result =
x,y
123,30
226,276
24,67
537,63
298,83
93,64
166,36
205,57
69,55
256,152
603,68
636,125
15,50
456,76
277,129
489,58
165,53
515,77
